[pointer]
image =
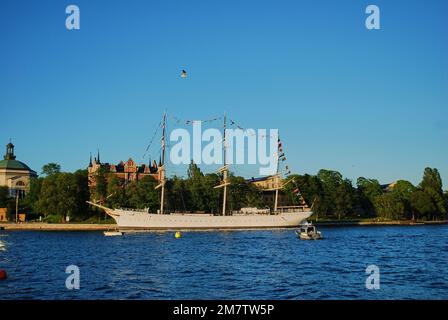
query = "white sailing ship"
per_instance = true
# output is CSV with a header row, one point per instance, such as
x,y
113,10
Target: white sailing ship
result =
x,y
279,217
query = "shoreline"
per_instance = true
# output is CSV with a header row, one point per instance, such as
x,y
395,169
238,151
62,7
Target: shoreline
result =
x,y
376,223
38,226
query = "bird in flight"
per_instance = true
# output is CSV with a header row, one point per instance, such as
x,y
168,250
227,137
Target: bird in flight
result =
x,y
183,74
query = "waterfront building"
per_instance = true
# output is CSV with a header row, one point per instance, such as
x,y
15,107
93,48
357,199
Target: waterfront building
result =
x,y
266,186
15,174
126,171
389,186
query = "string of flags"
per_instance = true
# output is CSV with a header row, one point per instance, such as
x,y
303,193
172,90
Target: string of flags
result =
x,y
296,190
234,123
281,154
299,194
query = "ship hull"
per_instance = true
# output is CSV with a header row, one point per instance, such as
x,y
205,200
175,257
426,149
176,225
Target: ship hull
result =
x,y
134,220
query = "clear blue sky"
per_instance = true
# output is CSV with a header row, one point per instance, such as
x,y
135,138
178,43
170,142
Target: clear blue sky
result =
x,y
365,103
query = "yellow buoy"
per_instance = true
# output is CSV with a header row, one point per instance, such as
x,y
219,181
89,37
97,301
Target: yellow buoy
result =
x,y
178,235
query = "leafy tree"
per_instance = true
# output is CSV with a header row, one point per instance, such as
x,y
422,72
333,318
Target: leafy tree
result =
x,y
51,168
63,194
345,199
33,194
446,204
4,196
238,193
142,194
100,189
422,204
389,206
11,208
178,195
370,187
309,186
431,179
81,209
403,190
368,190
116,193
211,194
196,187
432,185
253,196
331,181
48,197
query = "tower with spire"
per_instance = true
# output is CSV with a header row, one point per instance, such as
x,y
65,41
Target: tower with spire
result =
x,y
90,162
9,155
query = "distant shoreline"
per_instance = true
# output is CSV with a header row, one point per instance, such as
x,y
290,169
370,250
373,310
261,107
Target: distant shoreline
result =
x,y
38,226
377,223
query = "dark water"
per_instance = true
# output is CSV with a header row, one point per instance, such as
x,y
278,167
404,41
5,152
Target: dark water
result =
x,y
413,264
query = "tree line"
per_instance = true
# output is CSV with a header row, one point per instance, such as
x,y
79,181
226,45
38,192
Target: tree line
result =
x,y
336,198
57,194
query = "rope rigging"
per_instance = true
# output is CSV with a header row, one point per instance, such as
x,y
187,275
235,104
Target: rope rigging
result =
x,y
152,140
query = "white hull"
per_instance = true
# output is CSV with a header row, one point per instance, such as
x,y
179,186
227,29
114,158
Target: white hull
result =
x,y
136,220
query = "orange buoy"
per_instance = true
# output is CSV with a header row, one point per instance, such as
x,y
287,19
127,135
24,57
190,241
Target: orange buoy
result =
x,y
3,275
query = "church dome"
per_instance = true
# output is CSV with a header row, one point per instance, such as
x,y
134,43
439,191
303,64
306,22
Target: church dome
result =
x,y
14,165
10,161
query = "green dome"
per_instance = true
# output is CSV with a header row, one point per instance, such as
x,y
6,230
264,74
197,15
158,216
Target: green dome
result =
x,y
14,165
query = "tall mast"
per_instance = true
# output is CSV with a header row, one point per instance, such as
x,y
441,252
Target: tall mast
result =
x,y
277,177
225,168
162,166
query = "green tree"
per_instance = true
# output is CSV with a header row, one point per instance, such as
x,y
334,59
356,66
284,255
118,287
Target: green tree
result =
x,y
33,194
311,190
51,168
446,204
211,194
403,190
330,202
368,190
178,195
4,196
63,194
253,196
143,195
81,185
48,197
422,204
309,186
432,185
345,199
239,193
389,206
100,190
116,193
196,187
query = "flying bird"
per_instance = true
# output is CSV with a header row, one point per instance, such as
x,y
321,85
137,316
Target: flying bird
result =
x,y
183,74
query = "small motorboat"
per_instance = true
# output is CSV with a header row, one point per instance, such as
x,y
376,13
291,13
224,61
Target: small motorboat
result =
x,y
113,233
308,232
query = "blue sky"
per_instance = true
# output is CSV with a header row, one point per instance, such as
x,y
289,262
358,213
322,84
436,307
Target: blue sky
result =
x,y
365,103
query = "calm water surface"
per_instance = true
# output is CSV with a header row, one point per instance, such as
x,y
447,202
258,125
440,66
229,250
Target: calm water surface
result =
x,y
413,262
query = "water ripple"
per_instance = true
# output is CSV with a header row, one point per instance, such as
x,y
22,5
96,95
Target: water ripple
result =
x,y
228,265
